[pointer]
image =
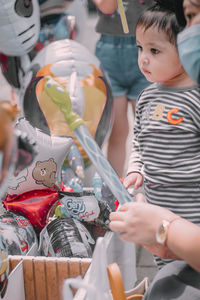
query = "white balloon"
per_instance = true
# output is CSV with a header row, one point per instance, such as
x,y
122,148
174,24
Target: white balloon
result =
x,y
45,170
20,25
78,70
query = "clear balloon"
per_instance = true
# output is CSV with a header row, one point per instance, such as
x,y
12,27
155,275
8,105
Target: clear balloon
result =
x,y
77,70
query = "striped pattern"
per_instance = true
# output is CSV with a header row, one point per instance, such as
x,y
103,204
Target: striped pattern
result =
x,y
168,154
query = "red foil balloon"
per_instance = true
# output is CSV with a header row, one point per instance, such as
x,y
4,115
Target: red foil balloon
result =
x,y
34,205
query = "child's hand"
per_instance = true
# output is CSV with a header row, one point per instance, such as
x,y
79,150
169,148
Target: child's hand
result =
x,y
135,179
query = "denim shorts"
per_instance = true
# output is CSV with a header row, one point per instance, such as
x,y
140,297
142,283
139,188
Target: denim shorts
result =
x,y
119,61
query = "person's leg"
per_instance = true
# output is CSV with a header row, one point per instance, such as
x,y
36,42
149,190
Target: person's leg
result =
x,y
118,56
133,104
117,142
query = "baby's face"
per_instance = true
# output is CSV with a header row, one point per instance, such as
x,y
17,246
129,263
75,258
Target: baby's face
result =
x,y
157,58
192,12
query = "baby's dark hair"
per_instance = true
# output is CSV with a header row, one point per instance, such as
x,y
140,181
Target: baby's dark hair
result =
x,y
162,18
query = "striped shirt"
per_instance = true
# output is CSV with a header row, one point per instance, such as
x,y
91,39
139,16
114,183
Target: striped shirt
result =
x,y
166,148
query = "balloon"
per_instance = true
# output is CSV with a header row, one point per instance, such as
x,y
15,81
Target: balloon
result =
x,y
65,237
34,205
53,28
75,160
45,169
10,67
61,98
108,196
84,207
97,185
18,233
7,148
53,7
4,266
17,151
96,230
72,65
55,23
26,151
20,24
14,148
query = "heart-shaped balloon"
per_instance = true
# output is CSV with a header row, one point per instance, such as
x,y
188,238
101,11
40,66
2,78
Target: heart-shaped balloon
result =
x,y
34,205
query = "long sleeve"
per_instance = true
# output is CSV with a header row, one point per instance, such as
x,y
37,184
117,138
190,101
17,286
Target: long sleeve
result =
x,y
135,163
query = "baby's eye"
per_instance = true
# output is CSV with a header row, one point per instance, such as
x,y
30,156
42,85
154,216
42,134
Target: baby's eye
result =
x,y
139,47
154,51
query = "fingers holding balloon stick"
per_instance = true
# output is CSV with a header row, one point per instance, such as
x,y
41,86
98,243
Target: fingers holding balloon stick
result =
x,y
118,219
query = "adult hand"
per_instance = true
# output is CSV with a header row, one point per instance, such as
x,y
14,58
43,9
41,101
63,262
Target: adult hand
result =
x,y
138,222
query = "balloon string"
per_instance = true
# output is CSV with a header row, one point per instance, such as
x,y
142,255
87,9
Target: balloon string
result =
x,y
123,16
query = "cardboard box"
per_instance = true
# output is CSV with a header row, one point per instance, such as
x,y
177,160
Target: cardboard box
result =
x,y
41,277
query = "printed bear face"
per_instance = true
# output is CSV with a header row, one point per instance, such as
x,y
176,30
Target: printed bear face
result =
x,y
45,172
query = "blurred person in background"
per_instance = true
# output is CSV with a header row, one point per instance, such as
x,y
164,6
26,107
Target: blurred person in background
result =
x,y
118,54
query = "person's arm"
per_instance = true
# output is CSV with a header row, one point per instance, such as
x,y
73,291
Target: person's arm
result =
x,y
184,240
138,222
135,164
106,6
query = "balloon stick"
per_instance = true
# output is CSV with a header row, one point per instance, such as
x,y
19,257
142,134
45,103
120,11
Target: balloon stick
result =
x,y
60,97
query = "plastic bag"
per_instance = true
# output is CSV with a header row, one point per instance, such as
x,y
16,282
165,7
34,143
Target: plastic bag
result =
x,y
95,284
